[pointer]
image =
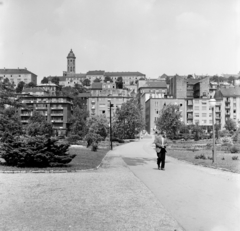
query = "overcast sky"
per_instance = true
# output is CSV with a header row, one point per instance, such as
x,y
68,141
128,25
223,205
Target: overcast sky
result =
x,y
149,36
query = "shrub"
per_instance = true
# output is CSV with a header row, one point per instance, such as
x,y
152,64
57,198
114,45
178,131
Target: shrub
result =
x,y
92,137
73,139
35,152
224,133
234,149
209,146
235,158
226,140
201,156
94,147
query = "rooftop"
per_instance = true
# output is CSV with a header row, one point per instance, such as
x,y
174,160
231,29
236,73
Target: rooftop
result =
x,y
95,73
229,92
6,71
135,73
71,54
154,84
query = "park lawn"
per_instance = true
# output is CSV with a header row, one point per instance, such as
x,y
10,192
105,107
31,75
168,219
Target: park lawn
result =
x,y
84,159
226,164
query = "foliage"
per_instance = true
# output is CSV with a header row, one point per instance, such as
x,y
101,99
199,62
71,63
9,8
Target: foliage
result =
x,y
184,128
30,85
97,80
35,152
78,122
94,147
39,126
201,156
235,158
92,138
169,120
72,139
86,82
198,131
234,149
224,133
10,124
99,125
230,125
226,140
44,80
119,83
236,136
55,80
108,78
128,121
20,87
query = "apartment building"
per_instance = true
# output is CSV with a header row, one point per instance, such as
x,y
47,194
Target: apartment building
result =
x,y
57,110
17,75
228,105
150,89
101,94
92,75
154,107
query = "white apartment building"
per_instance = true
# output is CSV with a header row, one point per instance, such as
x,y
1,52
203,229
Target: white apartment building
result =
x,y
17,75
228,105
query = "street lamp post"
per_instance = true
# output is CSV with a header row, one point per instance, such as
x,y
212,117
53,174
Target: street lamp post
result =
x,y
110,106
212,103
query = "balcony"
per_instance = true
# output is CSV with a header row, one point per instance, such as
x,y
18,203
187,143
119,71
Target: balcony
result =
x,y
57,121
56,108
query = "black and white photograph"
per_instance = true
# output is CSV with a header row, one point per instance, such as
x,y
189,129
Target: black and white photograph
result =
x,y
119,115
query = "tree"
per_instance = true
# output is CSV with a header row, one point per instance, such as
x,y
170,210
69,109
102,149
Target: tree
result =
x,y
10,123
86,82
44,80
169,120
128,121
30,85
231,79
38,125
119,82
197,130
108,78
20,87
190,77
78,122
97,130
55,80
97,80
230,125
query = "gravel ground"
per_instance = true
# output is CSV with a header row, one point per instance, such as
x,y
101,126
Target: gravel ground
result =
x,y
110,198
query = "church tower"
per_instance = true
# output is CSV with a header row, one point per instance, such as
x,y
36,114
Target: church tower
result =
x,y
71,62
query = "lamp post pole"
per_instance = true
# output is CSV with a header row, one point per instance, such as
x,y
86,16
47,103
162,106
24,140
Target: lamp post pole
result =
x,y
212,103
110,106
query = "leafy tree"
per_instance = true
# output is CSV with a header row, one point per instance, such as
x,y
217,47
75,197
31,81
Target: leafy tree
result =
x,y
10,123
198,131
78,122
55,80
230,125
119,82
231,79
97,80
169,120
97,130
38,125
190,77
20,87
108,78
44,80
86,82
184,128
128,120
30,85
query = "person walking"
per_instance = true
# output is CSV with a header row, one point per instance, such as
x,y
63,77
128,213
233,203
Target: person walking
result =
x,y
160,149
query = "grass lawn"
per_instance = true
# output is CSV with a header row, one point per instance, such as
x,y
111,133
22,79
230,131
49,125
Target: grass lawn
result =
x,y
226,163
85,159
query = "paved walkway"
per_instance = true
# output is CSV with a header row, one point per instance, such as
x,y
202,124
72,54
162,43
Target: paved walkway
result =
x,y
199,198
110,198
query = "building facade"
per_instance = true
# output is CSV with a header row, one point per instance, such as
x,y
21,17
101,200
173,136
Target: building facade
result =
x,y
17,75
154,107
228,105
57,110
101,94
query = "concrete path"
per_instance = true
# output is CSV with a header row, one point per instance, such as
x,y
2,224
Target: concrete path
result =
x,y
199,198
110,198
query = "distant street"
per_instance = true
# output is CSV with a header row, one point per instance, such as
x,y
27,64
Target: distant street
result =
x,y
199,198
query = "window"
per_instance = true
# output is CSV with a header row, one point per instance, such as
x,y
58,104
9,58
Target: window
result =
x,y
234,105
204,103
204,107
196,107
196,114
204,121
180,104
234,111
196,121
196,101
204,114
